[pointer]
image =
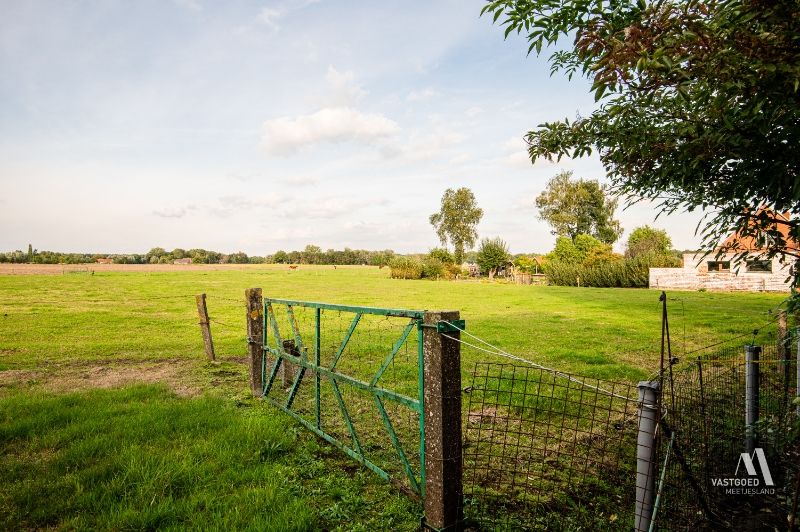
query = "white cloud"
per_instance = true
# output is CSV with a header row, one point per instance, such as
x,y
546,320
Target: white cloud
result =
x,y
473,111
421,95
270,17
345,91
174,212
287,134
193,5
300,181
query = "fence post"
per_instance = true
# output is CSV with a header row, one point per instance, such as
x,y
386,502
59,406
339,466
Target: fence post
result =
x,y
649,395
797,369
442,415
255,338
751,381
205,326
287,368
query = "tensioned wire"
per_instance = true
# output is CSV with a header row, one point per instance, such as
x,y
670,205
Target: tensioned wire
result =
x,y
499,352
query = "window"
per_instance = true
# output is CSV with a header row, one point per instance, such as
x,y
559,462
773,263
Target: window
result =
x,y
759,266
719,266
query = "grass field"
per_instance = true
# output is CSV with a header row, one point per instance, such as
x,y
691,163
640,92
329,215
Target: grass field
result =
x,y
111,418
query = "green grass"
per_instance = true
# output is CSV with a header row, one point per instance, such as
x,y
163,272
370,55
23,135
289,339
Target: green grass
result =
x,y
211,457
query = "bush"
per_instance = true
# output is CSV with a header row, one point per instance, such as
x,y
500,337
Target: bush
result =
x,y
628,273
433,268
405,268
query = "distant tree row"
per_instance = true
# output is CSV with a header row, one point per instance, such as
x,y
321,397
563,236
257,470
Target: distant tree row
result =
x,y
310,255
314,255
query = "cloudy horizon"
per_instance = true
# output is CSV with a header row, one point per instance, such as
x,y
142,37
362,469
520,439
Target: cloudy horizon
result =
x,y
259,126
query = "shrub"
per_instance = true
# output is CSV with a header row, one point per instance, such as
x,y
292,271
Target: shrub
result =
x,y
433,268
627,273
405,268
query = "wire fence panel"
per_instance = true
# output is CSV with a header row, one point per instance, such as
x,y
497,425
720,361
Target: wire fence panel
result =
x,y
548,451
705,401
353,376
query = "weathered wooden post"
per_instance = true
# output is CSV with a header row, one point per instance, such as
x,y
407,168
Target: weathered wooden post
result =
x,y
649,393
205,326
255,338
751,399
287,368
442,404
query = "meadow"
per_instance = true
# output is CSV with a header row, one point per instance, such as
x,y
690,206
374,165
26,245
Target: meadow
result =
x,y
112,418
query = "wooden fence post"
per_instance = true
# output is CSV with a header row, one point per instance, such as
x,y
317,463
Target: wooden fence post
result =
x,y
205,326
442,404
255,338
287,368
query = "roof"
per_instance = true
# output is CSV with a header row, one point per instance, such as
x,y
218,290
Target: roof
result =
x,y
735,242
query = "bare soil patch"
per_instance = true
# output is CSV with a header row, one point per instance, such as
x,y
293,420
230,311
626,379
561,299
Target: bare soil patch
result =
x,y
173,373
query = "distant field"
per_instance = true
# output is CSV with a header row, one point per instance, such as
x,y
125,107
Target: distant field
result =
x,y
62,336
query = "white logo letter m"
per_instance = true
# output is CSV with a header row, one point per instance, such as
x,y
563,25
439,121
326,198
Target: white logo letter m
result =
x,y
751,468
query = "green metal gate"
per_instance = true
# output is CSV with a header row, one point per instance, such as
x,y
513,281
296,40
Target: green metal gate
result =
x,y
354,376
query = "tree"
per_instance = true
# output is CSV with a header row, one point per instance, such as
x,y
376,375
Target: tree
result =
x,y
578,207
492,255
442,255
576,251
699,105
456,220
646,240
280,257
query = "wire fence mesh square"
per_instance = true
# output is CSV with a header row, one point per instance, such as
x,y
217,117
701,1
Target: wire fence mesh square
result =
x,y
546,451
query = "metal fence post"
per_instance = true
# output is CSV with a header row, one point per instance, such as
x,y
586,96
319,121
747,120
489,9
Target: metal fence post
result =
x,y
797,368
649,392
442,403
255,338
751,380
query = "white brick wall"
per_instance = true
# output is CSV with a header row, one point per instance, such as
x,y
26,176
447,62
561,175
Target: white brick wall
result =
x,y
694,275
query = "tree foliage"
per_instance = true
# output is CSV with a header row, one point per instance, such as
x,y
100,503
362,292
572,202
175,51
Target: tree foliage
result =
x,y
645,239
578,207
699,103
457,220
492,255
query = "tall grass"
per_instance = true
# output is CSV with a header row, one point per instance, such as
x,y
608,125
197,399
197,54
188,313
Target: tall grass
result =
x,y
141,458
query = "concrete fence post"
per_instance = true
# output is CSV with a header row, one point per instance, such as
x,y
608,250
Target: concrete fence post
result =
x,y
442,415
205,325
255,338
751,398
649,399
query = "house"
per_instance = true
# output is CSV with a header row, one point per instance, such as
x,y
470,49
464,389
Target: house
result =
x,y
719,270
104,261
186,260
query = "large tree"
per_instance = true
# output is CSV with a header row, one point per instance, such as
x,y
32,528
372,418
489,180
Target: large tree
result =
x,y
698,108
457,220
578,207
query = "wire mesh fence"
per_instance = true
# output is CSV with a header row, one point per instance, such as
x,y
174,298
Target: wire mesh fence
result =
x,y
548,451
707,483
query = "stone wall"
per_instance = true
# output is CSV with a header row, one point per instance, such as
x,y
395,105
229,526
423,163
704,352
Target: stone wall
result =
x,y
695,275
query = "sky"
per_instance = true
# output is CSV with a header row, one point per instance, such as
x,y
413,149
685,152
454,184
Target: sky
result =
x,y
259,126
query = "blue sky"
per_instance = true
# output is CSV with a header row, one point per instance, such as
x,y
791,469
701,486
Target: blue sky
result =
x,y
259,126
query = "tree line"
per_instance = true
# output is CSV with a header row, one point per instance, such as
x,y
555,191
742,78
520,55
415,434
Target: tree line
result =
x,y
310,255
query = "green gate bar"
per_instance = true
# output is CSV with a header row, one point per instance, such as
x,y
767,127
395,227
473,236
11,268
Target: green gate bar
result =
x,y
314,365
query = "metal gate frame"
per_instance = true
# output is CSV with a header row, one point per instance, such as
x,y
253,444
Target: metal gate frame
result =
x,y
314,365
